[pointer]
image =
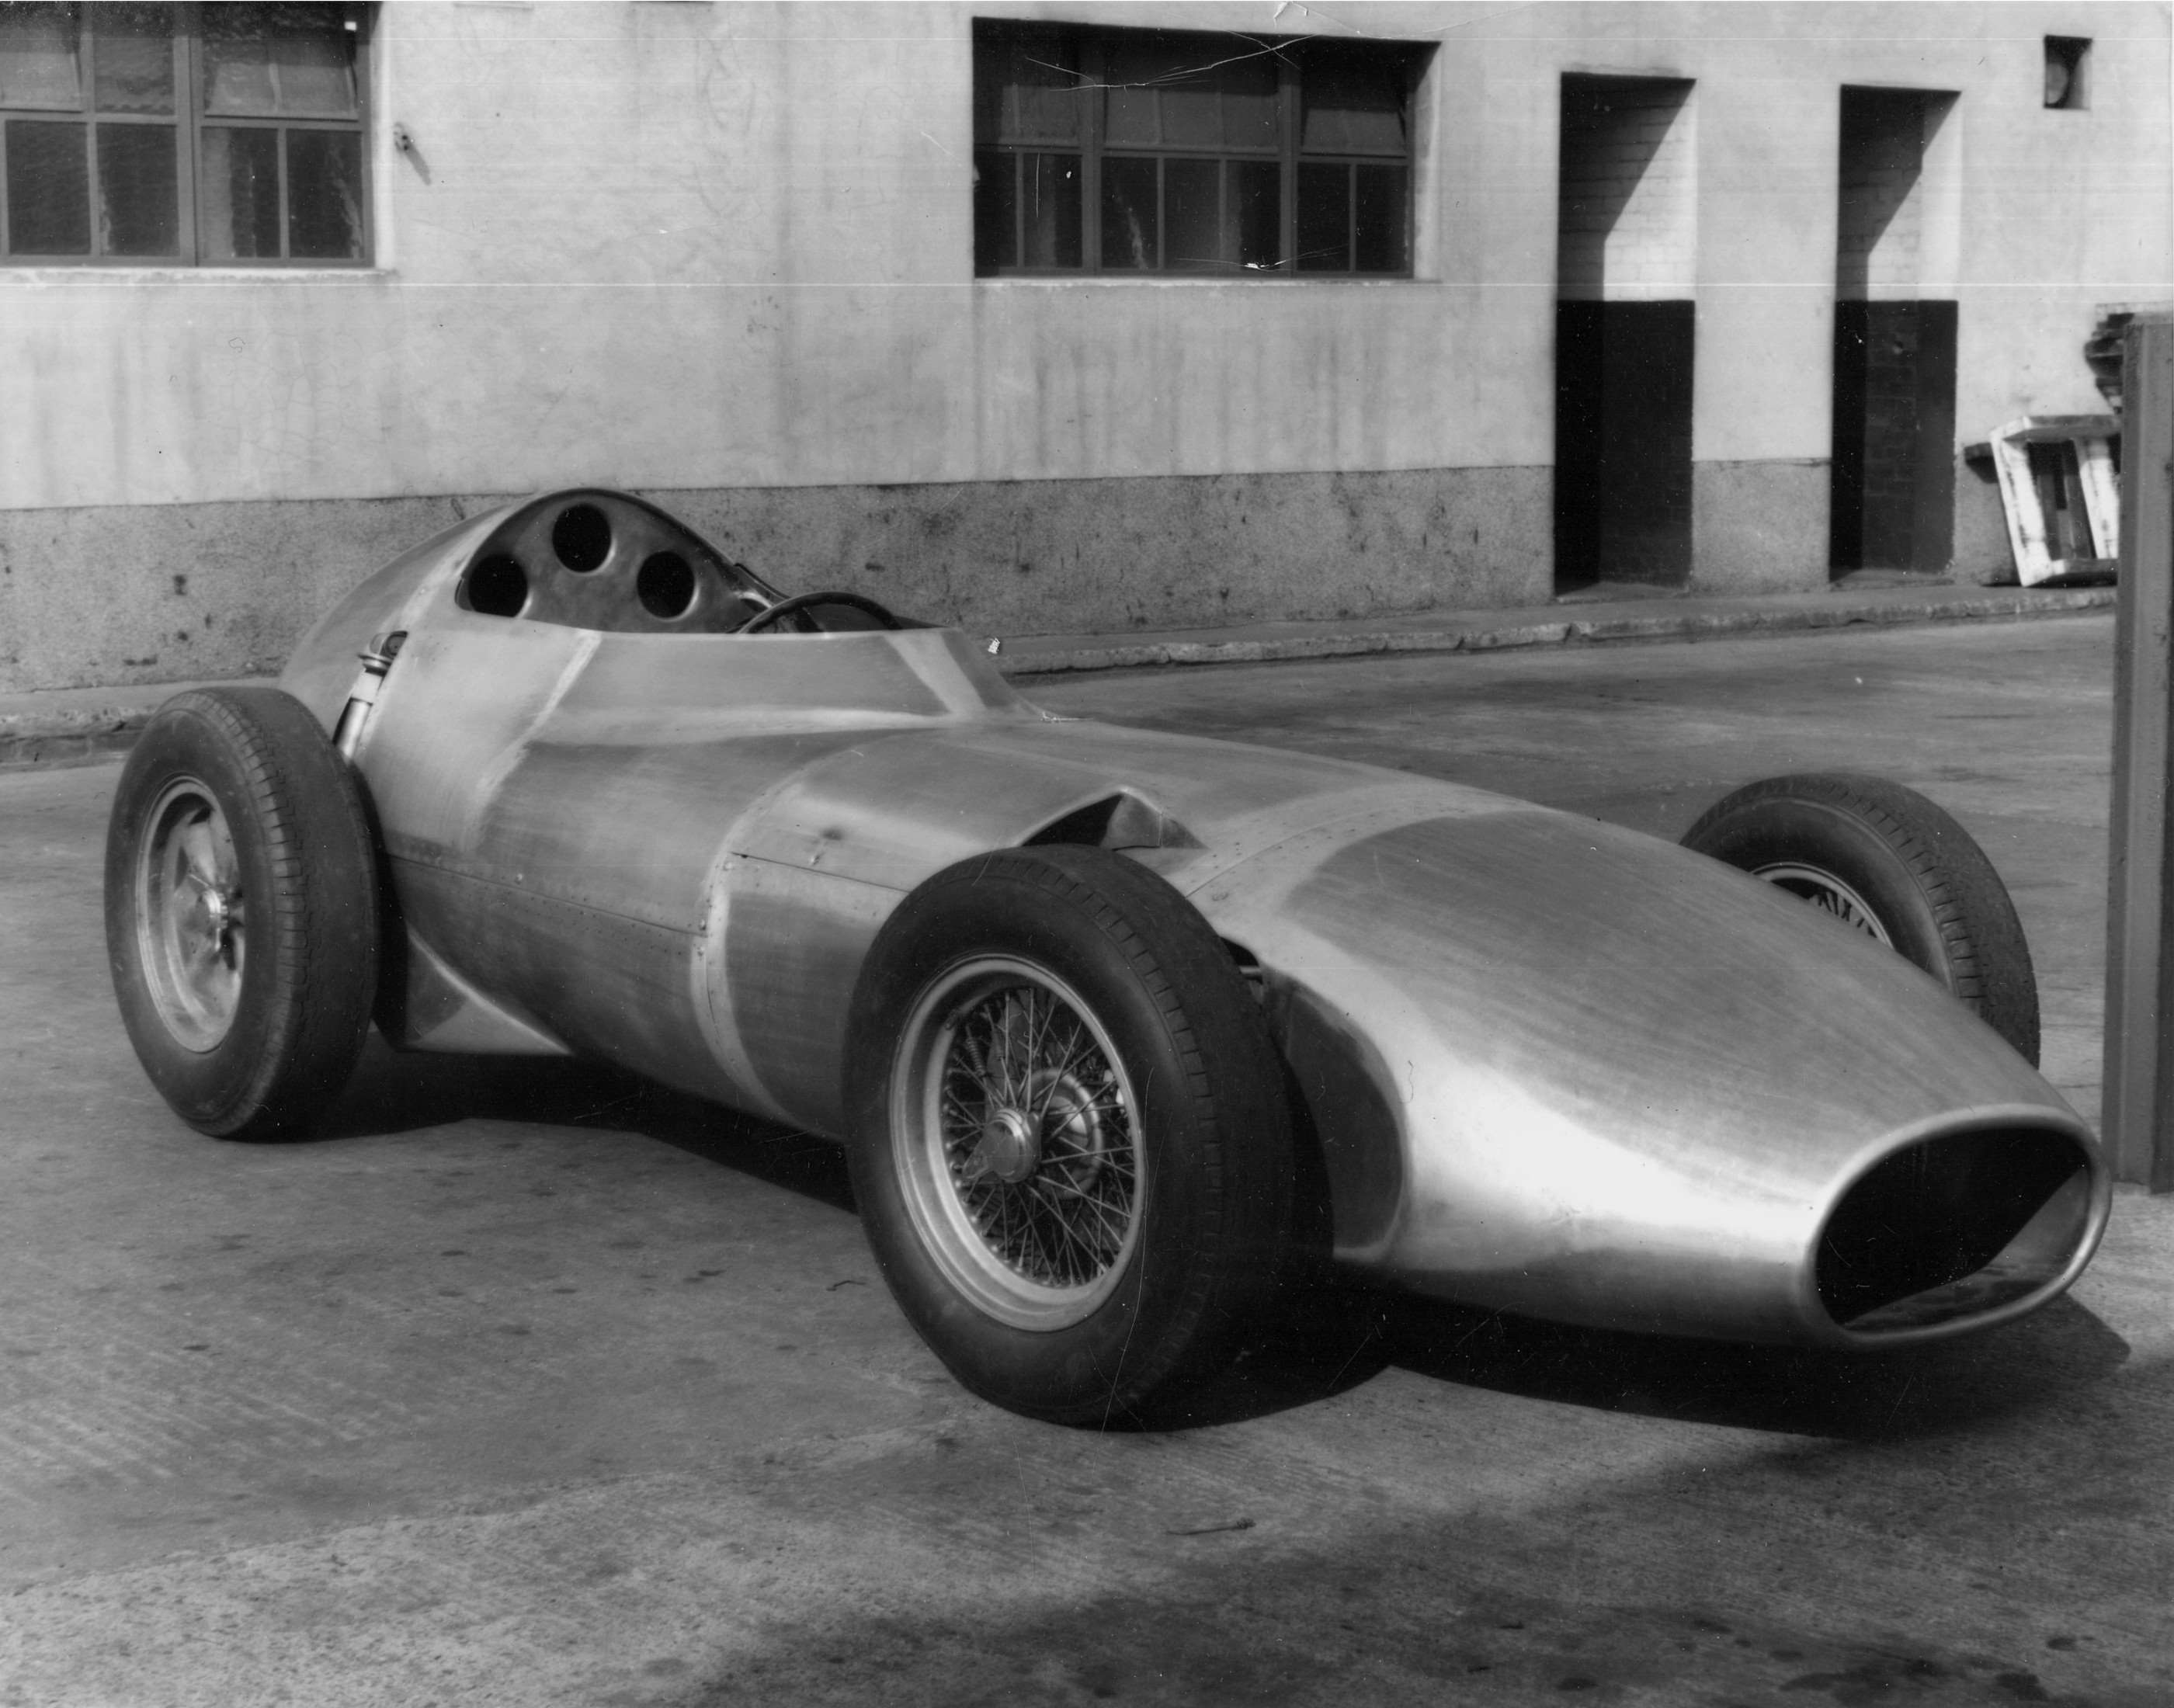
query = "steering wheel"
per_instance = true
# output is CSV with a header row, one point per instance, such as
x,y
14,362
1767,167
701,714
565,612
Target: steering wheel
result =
x,y
798,604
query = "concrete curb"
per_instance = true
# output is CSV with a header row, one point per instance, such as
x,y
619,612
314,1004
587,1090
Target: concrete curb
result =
x,y
77,726
29,739
1568,631
74,725
28,752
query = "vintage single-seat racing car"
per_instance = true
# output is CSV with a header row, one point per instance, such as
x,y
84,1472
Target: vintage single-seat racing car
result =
x,y
1119,1027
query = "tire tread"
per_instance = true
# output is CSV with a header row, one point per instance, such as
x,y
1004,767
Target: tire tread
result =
x,y
1217,1041
315,924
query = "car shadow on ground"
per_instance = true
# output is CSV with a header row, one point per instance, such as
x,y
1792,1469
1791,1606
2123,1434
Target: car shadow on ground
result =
x,y
394,1091
1337,1339
1330,1335
1844,1396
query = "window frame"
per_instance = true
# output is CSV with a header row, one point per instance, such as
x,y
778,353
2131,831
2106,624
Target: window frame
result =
x,y
993,40
188,123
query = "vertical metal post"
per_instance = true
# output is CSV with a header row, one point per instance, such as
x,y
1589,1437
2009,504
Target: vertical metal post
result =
x,y
2137,1118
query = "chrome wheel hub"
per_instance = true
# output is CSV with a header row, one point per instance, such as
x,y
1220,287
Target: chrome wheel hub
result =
x,y
1009,1149
191,917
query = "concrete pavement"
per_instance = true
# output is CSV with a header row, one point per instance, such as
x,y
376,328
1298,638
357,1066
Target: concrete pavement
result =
x,y
526,1385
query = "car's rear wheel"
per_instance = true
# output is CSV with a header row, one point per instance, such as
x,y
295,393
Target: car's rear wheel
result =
x,y
1887,862
241,914
1069,1138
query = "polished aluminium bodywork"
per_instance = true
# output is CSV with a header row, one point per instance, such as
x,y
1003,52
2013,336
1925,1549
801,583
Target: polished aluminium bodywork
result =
x,y
1551,1066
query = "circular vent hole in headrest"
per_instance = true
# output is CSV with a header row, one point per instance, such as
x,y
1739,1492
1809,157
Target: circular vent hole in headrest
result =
x,y
497,587
581,536
665,585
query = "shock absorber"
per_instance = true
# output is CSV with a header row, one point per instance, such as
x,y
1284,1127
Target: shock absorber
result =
x,y
377,659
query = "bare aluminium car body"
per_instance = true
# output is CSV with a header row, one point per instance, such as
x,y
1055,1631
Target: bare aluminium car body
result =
x,y
1550,1066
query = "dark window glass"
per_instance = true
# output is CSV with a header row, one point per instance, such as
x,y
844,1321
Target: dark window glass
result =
x,y
48,189
1189,92
1219,216
1324,218
39,66
134,58
1033,96
1257,198
1131,107
139,190
239,186
284,60
1251,115
1186,137
1049,209
1379,223
105,152
1192,113
1193,215
1131,230
324,195
1354,104
1026,209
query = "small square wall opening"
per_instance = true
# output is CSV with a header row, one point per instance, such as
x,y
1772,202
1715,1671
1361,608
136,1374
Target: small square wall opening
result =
x,y
2066,59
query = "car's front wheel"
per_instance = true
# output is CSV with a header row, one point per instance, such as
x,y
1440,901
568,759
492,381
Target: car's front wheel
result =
x,y
1069,1143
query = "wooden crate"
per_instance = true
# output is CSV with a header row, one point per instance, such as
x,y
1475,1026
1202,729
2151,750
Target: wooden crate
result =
x,y
2061,494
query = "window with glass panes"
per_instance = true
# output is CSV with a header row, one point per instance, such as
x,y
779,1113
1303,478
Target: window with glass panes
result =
x,y
229,134
1128,151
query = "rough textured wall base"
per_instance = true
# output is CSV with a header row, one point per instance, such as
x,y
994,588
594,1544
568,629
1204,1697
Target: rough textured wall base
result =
x,y
1984,556
179,592
175,593
1759,527
1095,556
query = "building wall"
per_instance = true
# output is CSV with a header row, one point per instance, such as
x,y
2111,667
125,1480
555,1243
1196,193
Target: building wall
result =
x,y
1888,179
1627,226
722,255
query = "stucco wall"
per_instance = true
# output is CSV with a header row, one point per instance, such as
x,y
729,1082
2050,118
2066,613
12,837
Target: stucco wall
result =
x,y
688,246
699,248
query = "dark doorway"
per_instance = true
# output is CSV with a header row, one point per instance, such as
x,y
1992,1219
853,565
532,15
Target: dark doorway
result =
x,y
1626,328
1893,475
1623,443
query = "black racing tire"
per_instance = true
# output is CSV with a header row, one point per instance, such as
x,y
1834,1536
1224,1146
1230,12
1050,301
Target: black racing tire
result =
x,y
1883,858
1067,1134
241,911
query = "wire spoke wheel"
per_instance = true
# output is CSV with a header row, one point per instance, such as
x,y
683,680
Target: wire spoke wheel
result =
x,y
191,916
1067,1134
1828,893
1016,1129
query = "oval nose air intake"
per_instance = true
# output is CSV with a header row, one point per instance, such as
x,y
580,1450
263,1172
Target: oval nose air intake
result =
x,y
1957,1224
